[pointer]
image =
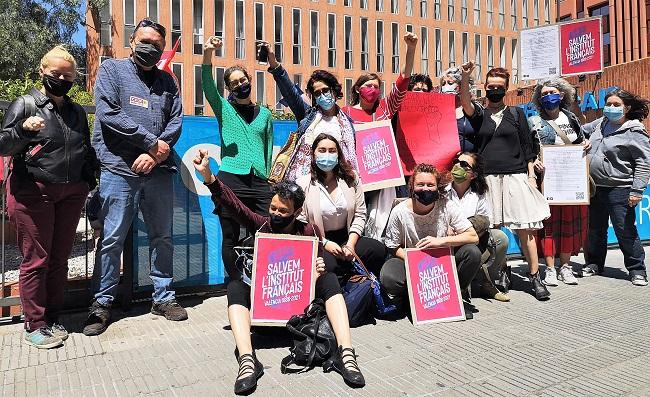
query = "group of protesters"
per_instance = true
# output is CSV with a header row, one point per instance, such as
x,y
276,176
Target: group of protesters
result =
x,y
493,183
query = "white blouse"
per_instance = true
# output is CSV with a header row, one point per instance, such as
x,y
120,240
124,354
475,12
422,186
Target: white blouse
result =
x,y
334,211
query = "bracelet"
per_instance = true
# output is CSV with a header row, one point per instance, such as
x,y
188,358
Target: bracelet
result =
x,y
532,176
325,241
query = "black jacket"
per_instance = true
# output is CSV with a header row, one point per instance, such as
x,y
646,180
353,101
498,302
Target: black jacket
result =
x,y
60,152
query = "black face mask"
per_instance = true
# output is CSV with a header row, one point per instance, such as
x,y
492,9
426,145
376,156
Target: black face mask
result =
x,y
147,54
56,87
496,95
243,91
426,197
280,222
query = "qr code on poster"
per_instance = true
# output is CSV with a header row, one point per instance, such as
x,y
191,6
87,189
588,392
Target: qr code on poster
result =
x,y
552,70
580,195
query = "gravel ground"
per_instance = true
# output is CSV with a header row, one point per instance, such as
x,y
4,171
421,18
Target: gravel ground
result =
x,y
76,264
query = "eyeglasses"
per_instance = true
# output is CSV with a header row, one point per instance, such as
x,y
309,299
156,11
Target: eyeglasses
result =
x,y
236,83
324,90
148,23
464,164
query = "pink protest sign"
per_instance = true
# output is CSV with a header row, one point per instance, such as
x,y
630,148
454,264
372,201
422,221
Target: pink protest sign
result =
x,y
581,47
377,158
284,275
433,288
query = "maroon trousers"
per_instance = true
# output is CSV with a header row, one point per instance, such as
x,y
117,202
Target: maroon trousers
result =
x,y
46,216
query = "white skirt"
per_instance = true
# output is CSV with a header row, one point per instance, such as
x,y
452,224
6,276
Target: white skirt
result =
x,y
515,204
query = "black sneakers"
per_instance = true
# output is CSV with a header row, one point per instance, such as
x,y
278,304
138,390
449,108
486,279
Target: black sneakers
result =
x,y
99,316
539,289
170,309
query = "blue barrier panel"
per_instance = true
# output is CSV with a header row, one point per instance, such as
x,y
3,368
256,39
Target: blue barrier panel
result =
x,y
196,230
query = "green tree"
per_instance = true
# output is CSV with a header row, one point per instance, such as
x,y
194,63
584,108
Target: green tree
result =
x,y
28,29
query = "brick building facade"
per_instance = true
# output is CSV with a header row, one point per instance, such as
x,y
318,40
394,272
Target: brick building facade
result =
x,y
346,37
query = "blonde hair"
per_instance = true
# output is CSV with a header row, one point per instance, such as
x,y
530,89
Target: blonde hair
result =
x,y
58,51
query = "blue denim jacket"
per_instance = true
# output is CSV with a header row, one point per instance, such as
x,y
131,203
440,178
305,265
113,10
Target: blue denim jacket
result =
x,y
131,117
546,134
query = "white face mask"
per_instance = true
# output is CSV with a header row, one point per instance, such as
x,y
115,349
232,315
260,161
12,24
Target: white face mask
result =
x,y
449,89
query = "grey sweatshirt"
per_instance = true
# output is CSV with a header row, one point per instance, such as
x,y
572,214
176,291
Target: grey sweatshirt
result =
x,y
619,157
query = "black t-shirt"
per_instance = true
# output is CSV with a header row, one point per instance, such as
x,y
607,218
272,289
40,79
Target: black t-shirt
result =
x,y
508,148
248,112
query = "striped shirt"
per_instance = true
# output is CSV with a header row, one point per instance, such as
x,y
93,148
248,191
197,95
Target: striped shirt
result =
x,y
387,107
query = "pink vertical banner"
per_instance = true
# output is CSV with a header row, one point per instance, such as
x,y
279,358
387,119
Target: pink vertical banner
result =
x,y
433,288
377,157
581,47
284,276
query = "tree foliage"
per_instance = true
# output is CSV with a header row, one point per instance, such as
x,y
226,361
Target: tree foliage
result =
x,y
28,29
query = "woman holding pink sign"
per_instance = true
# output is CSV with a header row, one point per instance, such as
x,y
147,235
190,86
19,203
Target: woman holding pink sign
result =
x,y
285,206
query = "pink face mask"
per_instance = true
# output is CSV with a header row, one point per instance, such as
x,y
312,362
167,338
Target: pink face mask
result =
x,y
369,94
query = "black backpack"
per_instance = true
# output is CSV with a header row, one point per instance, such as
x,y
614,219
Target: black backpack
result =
x,y
314,342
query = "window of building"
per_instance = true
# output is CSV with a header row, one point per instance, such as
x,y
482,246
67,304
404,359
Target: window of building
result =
x,y
297,34
423,8
277,32
331,1
566,18
409,28
515,61
129,21
177,26
524,13
490,55
477,56
465,44
502,52
379,5
513,15
395,47
105,25
450,10
297,80
536,12
363,4
382,88
152,10
102,58
603,11
259,23
489,8
348,91
477,12
452,48
197,26
198,92
177,69
380,46
331,40
502,15
347,27
219,74
240,29
394,6
259,87
580,8
219,20
438,44
463,12
364,44
278,97
347,3
313,41
409,8
547,12
437,9
424,41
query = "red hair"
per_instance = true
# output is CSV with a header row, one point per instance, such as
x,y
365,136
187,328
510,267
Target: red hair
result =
x,y
499,72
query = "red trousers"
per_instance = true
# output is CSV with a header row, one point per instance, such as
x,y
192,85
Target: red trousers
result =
x,y
46,216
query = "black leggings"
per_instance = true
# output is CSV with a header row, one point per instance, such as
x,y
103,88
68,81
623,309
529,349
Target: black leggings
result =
x,y
371,252
255,193
468,261
239,293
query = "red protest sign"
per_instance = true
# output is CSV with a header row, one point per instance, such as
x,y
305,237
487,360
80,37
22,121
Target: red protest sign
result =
x,y
377,158
284,275
433,288
427,130
581,47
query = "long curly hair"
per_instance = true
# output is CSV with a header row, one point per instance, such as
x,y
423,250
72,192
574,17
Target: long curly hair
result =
x,y
443,179
479,184
342,170
561,85
327,78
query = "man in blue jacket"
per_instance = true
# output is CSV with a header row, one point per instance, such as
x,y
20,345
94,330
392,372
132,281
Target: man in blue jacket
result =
x,y
138,120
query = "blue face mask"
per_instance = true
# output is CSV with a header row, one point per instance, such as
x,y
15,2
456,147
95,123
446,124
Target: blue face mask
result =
x,y
550,101
614,113
327,161
325,101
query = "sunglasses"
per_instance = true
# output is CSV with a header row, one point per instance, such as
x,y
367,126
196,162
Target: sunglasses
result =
x,y
463,164
148,23
324,90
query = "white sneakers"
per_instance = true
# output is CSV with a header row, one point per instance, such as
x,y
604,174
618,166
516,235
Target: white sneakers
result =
x,y
639,280
566,276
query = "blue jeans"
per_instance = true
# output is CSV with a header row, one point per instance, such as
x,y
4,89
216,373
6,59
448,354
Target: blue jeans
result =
x,y
613,203
120,198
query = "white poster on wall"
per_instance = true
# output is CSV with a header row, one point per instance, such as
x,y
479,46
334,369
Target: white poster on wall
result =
x,y
540,52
